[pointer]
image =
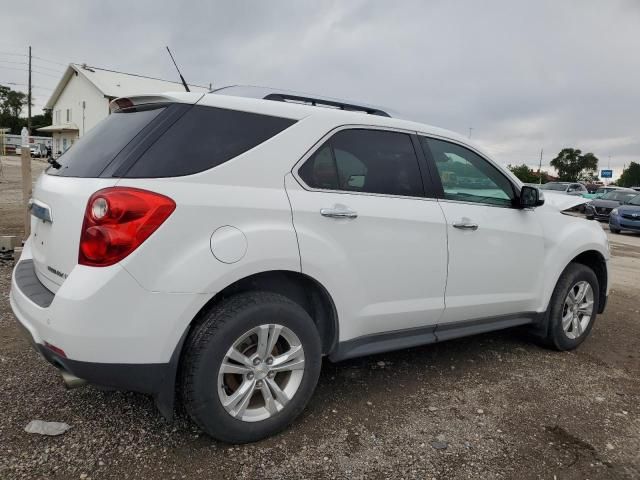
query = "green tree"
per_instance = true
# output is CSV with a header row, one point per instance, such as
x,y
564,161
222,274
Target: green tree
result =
x,y
11,101
524,173
528,175
12,104
572,165
630,176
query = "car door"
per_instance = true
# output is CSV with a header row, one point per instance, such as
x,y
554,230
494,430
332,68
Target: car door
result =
x,y
495,248
367,232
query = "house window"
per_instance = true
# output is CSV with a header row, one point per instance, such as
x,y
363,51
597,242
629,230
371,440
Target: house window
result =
x,y
68,115
57,117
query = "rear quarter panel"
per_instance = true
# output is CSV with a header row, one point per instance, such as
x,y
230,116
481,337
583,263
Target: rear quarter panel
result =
x,y
247,193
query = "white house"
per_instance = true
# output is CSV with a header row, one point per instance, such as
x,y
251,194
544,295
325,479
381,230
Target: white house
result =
x,y
81,99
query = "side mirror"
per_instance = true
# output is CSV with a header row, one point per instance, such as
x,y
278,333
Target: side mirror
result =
x,y
530,197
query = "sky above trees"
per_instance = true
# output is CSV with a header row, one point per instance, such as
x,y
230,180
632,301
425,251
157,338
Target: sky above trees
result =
x,y
523,75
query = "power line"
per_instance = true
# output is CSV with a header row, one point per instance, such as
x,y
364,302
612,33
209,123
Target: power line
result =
x,y
16,63
25,63
34,56
25,85
26,70
51,61
13,54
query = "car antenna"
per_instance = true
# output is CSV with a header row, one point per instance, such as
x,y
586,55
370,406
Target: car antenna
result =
x,y
186,87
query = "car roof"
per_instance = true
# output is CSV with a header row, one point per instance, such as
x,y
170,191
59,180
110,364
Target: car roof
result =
x,y
252,99
254,96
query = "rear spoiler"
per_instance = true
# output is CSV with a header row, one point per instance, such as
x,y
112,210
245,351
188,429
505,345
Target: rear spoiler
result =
x,y
134,100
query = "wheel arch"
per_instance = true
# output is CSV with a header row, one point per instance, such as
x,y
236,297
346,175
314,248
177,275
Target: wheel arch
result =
x,y
298,287
596,262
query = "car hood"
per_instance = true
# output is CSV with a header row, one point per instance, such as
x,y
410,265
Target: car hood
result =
x,y
629,209
605,203
561,201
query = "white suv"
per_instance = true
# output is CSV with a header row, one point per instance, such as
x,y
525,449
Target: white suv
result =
x,y
219,246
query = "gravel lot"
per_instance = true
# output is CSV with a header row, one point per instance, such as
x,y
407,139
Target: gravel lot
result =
x,y
490,406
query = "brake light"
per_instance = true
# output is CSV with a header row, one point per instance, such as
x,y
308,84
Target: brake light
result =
x,y
118,220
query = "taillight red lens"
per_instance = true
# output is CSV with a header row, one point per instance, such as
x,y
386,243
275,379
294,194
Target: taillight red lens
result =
x,y
116,222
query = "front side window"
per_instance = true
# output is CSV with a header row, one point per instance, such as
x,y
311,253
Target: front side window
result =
x,y
468,177
366,161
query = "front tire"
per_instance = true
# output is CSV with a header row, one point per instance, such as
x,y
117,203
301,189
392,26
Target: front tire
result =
x,y
614,230
573,307
250,367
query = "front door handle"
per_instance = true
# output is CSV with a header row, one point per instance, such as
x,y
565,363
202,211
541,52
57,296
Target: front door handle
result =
x,y
465,225
338,212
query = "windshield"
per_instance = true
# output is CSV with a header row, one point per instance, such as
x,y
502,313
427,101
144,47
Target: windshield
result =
x,y
635,200
555,186
619,196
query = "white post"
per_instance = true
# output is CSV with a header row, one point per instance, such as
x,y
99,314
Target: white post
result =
x,y
26,180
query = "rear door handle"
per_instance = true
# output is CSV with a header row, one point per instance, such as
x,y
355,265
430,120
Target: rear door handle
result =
x,y
338,212
465,225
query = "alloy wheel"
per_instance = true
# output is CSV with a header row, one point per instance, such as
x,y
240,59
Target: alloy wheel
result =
x,y
577,309
261,372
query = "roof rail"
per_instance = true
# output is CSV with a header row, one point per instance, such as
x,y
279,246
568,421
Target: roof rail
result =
x,y
266,93
285,97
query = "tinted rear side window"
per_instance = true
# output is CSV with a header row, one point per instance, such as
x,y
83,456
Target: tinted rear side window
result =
x,y
90,155
367,161
203,138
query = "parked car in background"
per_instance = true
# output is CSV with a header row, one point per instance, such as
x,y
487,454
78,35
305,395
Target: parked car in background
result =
x,y
626,217
600,208
221,245
592,187
601,191
37,150
637,189
570,188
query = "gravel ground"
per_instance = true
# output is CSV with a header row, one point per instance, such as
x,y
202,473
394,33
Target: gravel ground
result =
x,y
490,406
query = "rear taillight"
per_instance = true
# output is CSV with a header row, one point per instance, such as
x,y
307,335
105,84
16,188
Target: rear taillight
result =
x,y
116,222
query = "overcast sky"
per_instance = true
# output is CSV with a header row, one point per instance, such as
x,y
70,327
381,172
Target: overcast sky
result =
x,y
524,75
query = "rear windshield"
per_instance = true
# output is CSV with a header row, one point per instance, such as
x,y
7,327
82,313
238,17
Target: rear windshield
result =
x,y
177,140
89,156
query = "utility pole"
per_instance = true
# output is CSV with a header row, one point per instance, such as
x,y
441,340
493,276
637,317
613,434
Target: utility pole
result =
x,y
29,96
540,168
25,162
470,130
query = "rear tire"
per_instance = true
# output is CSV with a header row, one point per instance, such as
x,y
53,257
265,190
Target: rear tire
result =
x,y
590,217
573,307
614,230
243,397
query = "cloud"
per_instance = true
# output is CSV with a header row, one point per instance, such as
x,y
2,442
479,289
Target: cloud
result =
x,y
524,75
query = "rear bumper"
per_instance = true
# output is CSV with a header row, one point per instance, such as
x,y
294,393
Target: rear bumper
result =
x,y
112,331
143,378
